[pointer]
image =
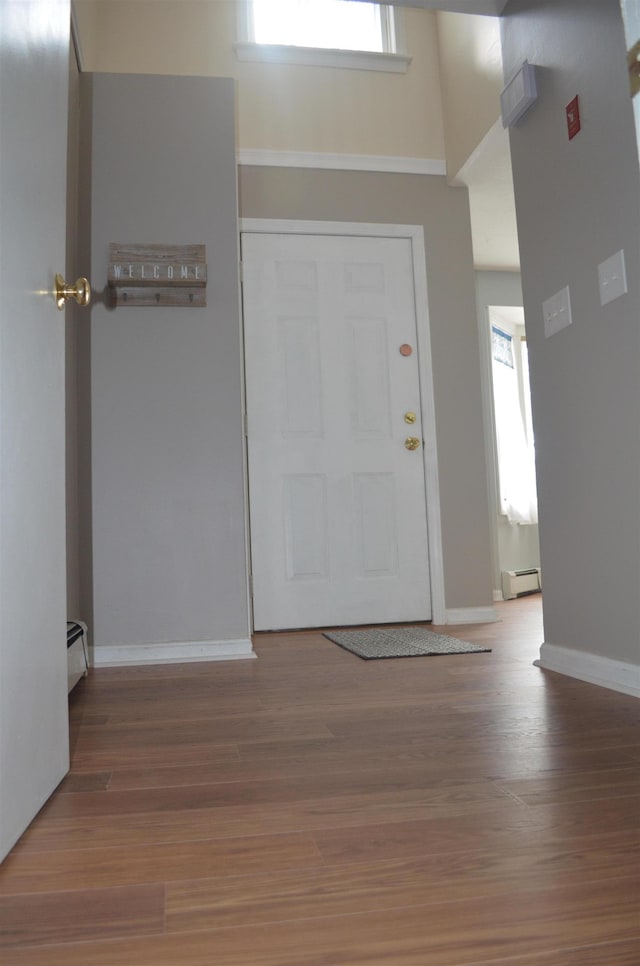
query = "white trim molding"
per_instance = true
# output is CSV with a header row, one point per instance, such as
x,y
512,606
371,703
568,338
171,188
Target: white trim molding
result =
x,y
471,615
593,668
340,162
322,57
415,234
182,652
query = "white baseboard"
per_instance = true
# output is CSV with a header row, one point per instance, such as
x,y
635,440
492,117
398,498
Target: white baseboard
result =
x,y
340,162
604,671
497,596
471,615
184,652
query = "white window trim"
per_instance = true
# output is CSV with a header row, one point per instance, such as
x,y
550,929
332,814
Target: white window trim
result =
x,y
247,50
318,57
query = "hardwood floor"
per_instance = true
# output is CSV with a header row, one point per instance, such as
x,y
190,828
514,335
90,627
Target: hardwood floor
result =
x,y
310,808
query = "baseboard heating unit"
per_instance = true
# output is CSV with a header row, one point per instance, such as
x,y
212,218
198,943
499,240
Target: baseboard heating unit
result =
x,y
517,583
77,653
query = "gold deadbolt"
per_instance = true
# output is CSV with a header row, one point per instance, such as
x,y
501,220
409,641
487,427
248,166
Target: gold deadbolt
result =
x,y
412,442
410,418
81,291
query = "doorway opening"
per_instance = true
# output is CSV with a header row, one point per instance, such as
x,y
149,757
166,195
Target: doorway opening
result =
x,y
516,505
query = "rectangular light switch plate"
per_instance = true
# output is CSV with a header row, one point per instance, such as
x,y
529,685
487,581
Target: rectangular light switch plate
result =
x,y
612,278
557,312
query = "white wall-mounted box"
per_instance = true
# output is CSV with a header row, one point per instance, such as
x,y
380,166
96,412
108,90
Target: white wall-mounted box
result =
x,y
518,94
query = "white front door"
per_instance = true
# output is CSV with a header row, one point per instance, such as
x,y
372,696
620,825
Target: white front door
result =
x,y
34,737
337,500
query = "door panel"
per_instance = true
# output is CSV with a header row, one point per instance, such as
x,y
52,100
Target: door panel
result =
x,y
338,509
304,513
34,740
377,529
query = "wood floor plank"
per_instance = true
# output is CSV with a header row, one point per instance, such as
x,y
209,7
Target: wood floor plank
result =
x,y
29,872
577,786
345,812
547,826
74,916
409,780
88,759
457,726
625,953
223,730
89,782
136,702
367,887
292,760
540,752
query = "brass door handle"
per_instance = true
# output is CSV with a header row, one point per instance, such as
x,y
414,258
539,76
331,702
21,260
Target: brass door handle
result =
x,y
411,442
81,291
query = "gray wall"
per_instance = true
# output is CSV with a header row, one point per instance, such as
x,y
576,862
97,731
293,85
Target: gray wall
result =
x,y
316,195
577,203
167,465
514,547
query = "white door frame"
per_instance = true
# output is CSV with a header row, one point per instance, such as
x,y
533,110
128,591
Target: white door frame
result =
x,y
415,235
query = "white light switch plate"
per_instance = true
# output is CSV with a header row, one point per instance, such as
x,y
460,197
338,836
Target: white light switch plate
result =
x,y
557,312
612,276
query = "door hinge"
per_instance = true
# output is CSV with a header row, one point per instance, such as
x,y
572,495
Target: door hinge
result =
x,y
251,585
245,426
241,271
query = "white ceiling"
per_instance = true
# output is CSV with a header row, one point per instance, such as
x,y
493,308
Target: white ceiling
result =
x,y
491,8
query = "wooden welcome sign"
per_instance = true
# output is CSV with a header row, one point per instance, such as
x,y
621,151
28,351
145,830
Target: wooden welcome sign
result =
x,y
158,275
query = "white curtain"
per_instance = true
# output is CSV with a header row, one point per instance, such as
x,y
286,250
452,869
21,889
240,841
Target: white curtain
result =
x,y
516,458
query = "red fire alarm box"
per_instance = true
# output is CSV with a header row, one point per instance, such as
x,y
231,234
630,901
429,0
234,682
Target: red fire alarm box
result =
x,y
573,117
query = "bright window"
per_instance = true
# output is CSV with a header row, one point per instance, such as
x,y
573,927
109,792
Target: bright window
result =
x,y
326,24
514,433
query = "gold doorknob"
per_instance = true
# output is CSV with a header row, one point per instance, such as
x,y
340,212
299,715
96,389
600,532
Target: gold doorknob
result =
x,y
412,442
410,418
81,291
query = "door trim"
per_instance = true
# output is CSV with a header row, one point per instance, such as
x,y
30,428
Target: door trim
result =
x,y
415,235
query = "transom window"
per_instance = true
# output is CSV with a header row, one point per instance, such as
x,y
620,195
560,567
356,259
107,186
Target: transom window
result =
x,y
325,24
